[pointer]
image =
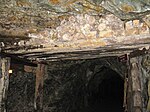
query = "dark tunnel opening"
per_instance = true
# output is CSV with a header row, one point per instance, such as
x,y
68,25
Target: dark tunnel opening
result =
x,y
108,92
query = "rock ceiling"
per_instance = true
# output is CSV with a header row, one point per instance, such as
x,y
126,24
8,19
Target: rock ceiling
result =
x,y
49,26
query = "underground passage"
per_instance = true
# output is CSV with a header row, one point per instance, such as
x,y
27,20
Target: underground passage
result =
x,y
109,94
73,86
74,55
93,85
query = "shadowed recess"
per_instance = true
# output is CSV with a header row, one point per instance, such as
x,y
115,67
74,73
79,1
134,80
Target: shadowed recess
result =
x,y
106,92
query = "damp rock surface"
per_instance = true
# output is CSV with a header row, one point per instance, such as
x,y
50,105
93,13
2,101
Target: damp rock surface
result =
x,y
21,91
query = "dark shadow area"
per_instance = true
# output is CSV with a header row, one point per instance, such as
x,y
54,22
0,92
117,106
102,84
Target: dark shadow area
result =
x,y
108,96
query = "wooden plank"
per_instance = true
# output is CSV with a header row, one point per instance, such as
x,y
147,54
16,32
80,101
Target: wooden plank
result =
x,y
50,50
125,41
38,102
148,105
135,82
18,60
8,36
4,82
86,53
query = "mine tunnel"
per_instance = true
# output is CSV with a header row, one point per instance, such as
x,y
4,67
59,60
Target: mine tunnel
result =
x,y
109,92
74,55
73,86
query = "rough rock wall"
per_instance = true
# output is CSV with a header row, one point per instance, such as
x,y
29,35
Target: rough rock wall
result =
x,y
88,30
64,90
144,65
21,91
51,22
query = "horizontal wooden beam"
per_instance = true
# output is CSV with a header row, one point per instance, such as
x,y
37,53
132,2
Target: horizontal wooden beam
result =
x,y
115,50
123,41
92,53
53,53
18,60
12,38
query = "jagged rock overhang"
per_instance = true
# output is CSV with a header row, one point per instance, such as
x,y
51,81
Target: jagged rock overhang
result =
x,y
76,29
34,18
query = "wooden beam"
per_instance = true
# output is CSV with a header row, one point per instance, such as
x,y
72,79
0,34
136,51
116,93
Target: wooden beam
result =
x,y
51,53
17,60
4,82
47,54
138,52
148,105
117,42
38,101
135,82
9,36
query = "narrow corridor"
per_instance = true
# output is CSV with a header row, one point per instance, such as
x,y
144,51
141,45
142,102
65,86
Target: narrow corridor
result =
x,y
109,97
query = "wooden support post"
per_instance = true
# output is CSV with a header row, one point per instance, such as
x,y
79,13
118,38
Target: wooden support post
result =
x,y
148,105
38,103
4,82
125,93
135,83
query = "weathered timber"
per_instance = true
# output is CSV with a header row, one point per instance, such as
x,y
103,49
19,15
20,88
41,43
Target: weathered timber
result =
x,y
138,52
38,102
74,54
4,82
135,82
125,42
57,54
9,38
148,105
125,92
18,60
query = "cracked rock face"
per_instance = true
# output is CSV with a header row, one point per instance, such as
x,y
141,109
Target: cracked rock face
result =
x,y
86,27
49,22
